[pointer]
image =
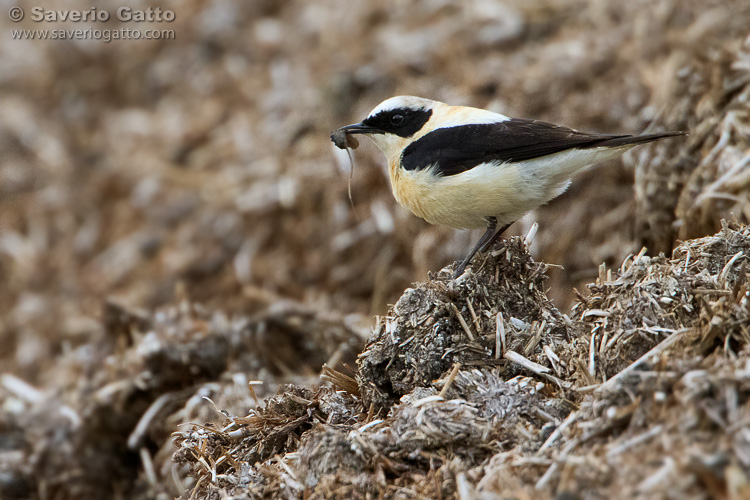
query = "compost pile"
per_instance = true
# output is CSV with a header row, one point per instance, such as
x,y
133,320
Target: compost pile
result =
x,y
190,307
645,390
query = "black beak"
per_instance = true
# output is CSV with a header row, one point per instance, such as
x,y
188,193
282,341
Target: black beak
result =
x,y
359,128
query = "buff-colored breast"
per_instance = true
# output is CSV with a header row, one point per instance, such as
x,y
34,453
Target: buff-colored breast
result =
x,y
463,200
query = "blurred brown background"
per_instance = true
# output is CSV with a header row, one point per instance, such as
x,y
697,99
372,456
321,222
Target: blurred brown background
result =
x,y
146,172
129,167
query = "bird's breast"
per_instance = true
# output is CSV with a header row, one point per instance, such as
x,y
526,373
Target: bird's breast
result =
x,y
463,200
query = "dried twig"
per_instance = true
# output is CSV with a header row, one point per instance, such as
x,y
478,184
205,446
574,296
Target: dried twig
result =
x,y
641,438
340,381
658,349
557,432
526,363
450,380
462,322
499,336
474,317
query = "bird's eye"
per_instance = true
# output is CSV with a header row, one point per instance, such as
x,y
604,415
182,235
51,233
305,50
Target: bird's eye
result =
x,y
397,119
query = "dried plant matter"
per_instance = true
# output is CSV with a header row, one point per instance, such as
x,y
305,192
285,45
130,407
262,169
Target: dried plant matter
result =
x,y
667,413
130,170
159,369
446,321
652,298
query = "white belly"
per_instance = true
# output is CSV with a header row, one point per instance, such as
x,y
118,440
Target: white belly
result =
x,y
506,191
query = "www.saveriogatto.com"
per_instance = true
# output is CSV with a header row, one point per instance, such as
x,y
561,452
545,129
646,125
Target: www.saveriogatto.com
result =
x,y
140,24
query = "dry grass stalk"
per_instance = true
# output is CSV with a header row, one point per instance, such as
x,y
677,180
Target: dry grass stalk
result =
x,y
474,317
649,356
499,336
449,380
463,323
526,363
339,380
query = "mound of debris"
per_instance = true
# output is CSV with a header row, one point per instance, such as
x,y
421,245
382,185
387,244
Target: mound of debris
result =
x,y
476,320
110,428
645,392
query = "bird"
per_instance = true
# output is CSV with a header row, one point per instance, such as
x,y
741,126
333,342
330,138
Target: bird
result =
x,y
470,168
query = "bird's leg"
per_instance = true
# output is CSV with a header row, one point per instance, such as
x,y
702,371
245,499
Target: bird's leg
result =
x,y
486,237
496,237
486,241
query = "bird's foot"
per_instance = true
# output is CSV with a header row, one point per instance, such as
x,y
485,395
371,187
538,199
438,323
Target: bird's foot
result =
x,y
459,270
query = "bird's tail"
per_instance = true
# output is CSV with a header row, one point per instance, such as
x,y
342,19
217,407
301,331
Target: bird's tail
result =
x,y
632,140
601,149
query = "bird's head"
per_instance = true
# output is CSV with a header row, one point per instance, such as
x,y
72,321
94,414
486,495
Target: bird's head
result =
x,y
395,122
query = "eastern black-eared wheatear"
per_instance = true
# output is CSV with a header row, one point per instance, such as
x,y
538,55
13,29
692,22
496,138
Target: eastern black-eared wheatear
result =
x,y
470,168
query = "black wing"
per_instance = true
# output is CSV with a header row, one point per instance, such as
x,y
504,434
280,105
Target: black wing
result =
x,y
457,149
